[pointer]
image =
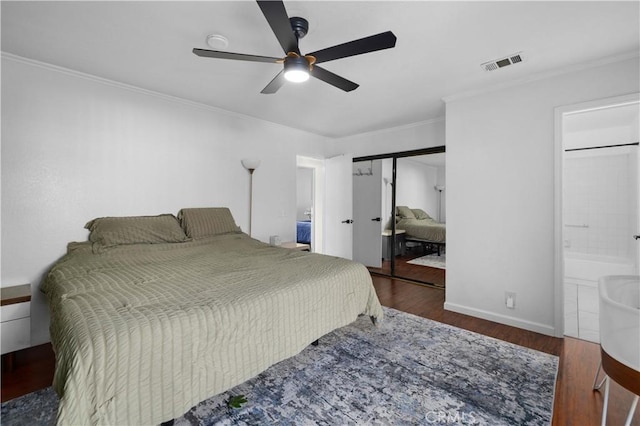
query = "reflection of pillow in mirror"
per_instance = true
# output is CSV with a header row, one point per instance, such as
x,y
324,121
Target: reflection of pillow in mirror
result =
x,y
420,214
405,212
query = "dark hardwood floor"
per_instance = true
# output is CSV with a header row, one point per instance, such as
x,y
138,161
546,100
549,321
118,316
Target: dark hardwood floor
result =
x,y
32,370
413,272
575,402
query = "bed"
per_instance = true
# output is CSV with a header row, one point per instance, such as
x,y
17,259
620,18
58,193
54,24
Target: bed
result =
x,y
420,227
303,232
144,330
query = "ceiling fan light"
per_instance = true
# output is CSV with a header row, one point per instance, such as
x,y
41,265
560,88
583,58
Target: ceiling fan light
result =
x,y
296,76
296,69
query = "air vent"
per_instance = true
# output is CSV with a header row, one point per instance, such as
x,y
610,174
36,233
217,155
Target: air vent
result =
x,y
502,62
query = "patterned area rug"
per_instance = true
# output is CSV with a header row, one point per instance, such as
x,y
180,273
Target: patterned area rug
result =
x,y
410,370
432,261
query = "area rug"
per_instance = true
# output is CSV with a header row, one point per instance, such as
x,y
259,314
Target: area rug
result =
x,y
409,370
432,261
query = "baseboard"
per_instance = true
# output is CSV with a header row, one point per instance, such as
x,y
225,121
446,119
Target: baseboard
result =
x,y
501,319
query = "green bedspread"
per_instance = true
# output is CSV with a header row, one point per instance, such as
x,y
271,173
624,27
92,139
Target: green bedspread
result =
x,y
144,332
424,229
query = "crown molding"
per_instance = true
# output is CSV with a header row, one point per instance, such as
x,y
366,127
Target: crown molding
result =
x,y
147,92
543,75
396,128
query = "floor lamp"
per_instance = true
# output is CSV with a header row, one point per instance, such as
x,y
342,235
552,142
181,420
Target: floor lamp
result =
x,y
251,165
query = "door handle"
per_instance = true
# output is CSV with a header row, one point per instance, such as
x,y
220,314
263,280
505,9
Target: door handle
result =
x,y
376,219
348,221
637,237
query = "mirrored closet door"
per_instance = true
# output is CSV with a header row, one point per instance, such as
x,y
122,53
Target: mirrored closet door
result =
x,y
400,215
421,218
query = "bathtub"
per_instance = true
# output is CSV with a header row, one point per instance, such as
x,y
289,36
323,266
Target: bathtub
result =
x,y
590,267
620,318
581,306
620,335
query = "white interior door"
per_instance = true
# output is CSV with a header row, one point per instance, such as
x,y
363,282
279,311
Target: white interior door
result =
x,y
636,192
338,207
367,215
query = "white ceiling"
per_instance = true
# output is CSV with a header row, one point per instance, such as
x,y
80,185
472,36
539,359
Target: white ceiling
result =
x,y
438,53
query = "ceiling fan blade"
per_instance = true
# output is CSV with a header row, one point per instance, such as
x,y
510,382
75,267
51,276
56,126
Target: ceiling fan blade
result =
x,y
372,43
333,79
238,56
275,84
277,17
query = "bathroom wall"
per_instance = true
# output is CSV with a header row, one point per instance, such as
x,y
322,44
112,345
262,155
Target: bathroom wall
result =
x,y
599,206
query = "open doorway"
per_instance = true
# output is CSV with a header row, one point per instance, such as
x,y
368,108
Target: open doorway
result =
x,y
597,205
309,202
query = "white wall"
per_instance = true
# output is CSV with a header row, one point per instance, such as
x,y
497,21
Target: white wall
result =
x,y
415,183
500,192
421,135
425,134
75,148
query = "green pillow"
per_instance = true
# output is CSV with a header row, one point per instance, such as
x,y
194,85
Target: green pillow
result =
x,y
114,231
421,214
405,212
207,222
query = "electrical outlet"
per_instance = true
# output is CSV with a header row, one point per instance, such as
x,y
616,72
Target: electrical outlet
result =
x,y
510,299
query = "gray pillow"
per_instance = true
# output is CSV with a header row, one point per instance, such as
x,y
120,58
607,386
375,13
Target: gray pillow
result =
x,y
113,231
405,212
207,222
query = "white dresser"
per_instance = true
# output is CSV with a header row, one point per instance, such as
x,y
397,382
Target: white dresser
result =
x,y
15,314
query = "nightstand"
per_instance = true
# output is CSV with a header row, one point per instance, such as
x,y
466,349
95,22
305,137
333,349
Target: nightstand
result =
x,y
296,246
15,315
386,243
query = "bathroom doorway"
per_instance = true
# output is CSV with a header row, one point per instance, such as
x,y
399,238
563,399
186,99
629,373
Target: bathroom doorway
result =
x,y
599,201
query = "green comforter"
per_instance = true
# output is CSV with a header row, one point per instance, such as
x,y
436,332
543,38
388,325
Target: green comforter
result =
x,y
424,229
144,332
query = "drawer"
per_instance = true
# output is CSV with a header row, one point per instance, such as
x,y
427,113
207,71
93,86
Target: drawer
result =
x,y
16,334
15,311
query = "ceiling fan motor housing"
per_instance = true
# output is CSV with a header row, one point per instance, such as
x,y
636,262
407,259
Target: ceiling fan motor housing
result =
x,y
291,62
300,26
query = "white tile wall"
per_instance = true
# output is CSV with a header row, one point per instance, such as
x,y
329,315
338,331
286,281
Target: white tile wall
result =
x,y
598,204
588,313
581,309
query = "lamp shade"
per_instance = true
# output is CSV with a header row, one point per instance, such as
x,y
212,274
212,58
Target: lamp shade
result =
x,y
250,163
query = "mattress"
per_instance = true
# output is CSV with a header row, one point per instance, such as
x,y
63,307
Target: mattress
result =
x,y
423,229
143,332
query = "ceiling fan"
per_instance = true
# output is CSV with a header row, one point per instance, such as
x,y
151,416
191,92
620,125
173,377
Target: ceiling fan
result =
x,y
298,67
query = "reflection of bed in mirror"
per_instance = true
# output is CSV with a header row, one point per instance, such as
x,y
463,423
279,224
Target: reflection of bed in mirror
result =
x,y
303,232
421,228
